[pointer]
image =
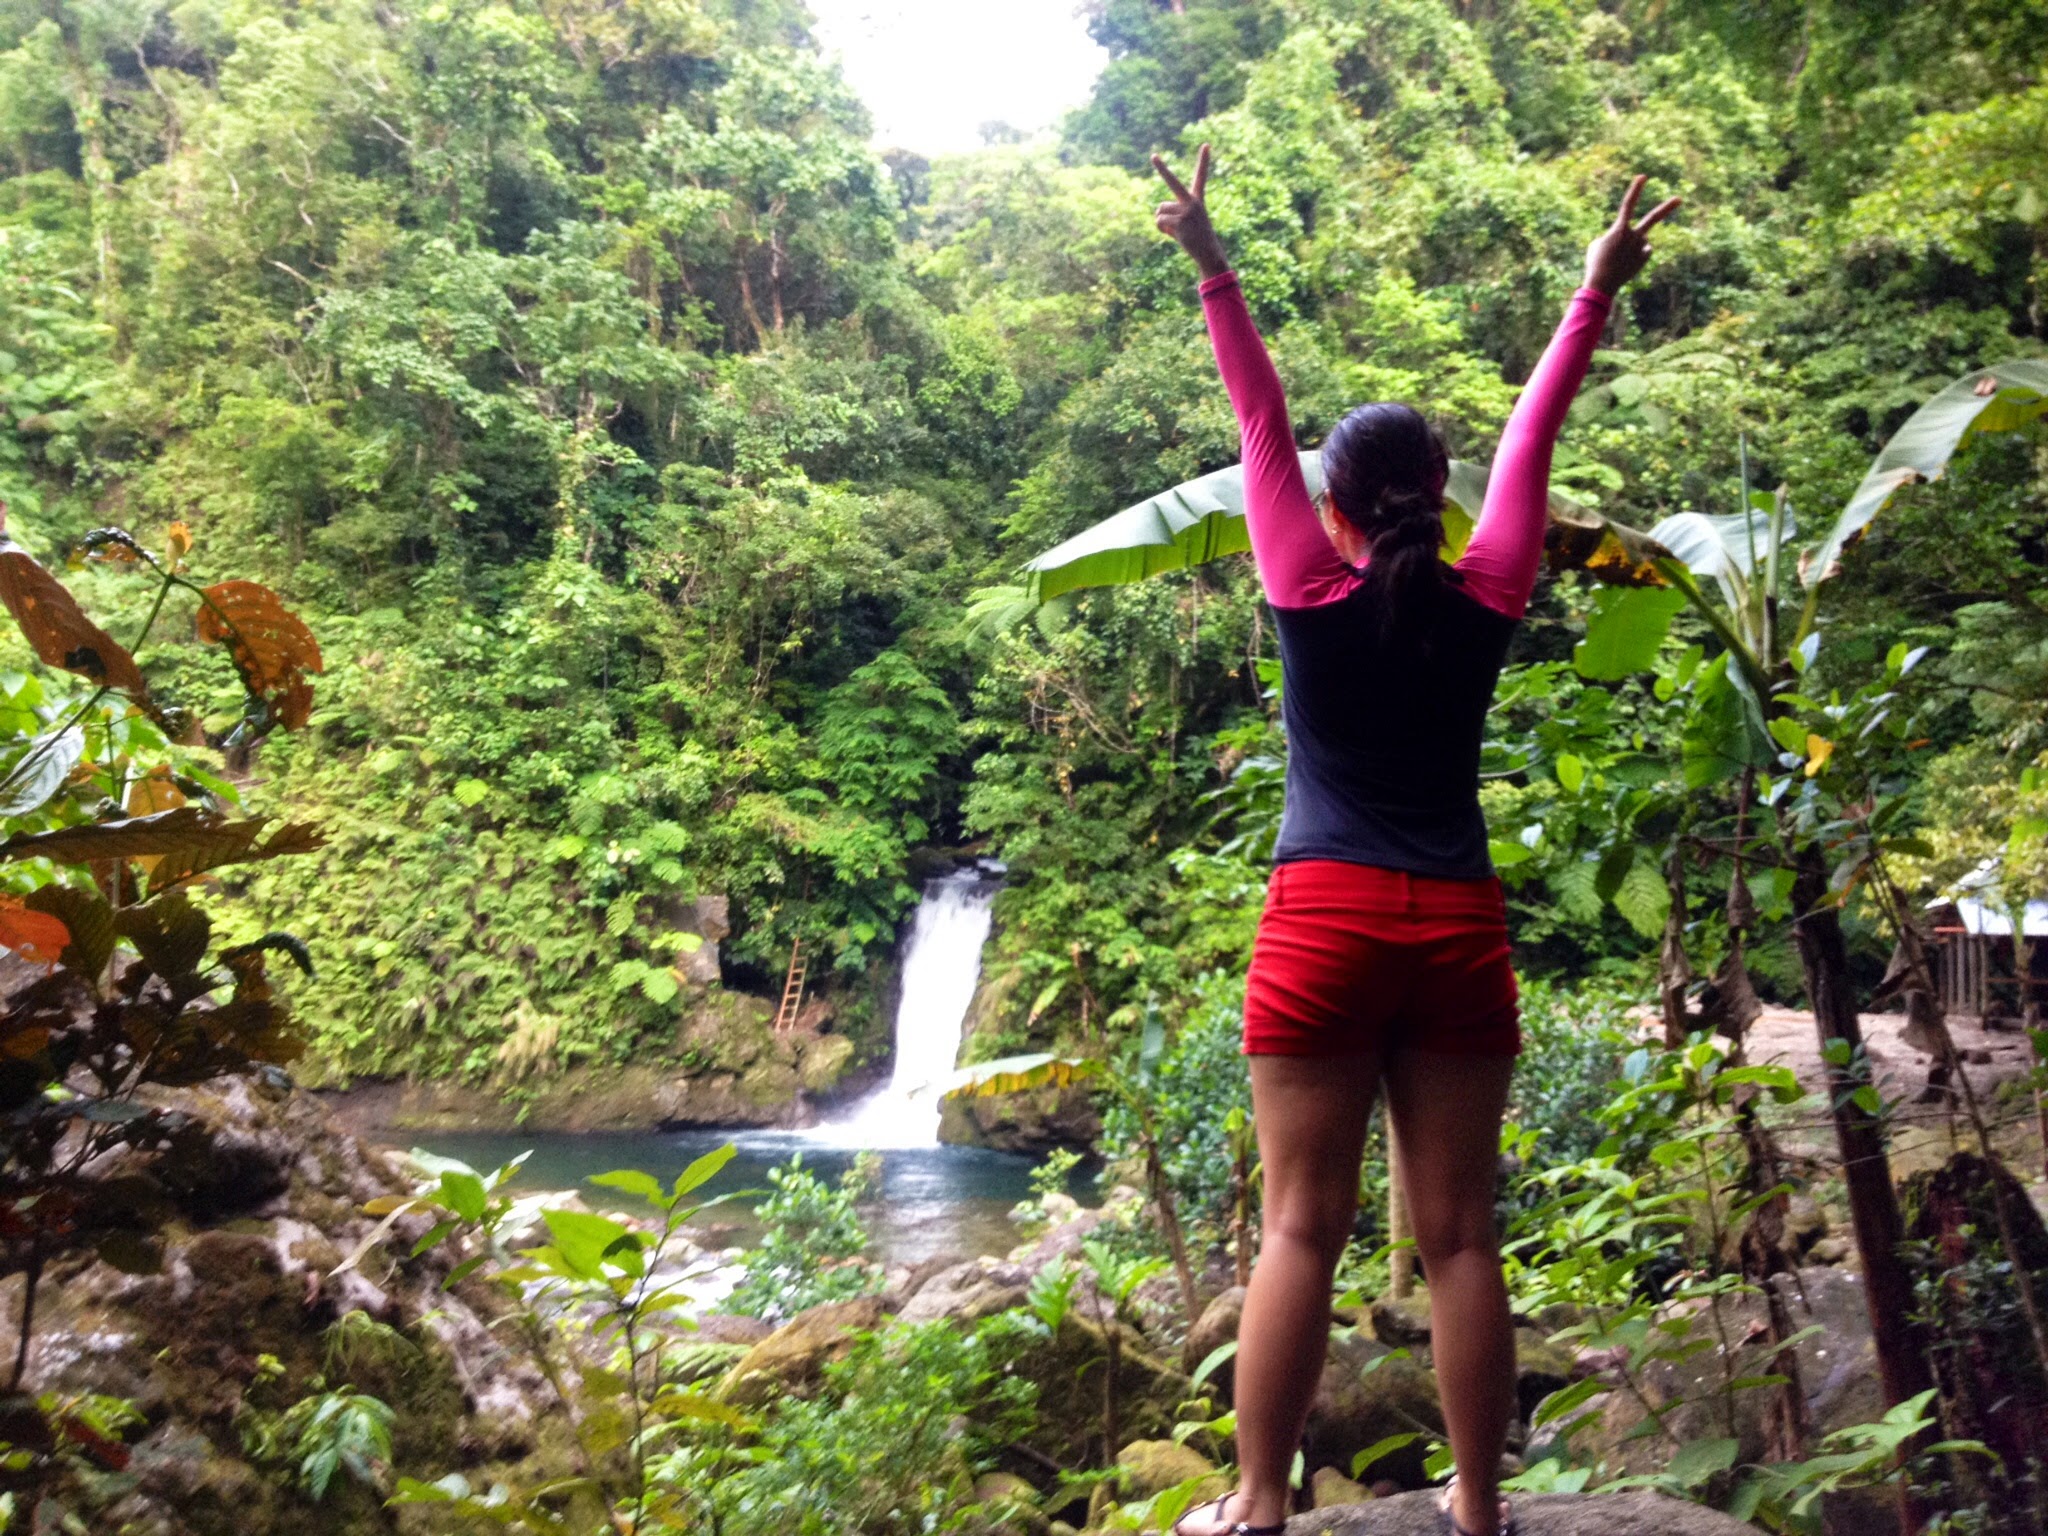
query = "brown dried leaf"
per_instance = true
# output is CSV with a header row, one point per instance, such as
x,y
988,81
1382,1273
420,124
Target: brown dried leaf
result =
x,y
58,630
271,648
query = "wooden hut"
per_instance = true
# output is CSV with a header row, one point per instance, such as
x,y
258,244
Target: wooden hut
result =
x,y
1980,960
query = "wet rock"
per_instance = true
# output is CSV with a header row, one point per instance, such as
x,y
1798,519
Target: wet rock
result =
x,y
234,1315
794,1356
1216,1327
1330,1488
1149,1467
1559,1514
1829,1250
1367,1393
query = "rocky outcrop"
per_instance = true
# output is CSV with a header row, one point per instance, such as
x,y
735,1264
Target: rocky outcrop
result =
x,y
1032,1123
1368,1393
1560,1514
729,1067
237,1233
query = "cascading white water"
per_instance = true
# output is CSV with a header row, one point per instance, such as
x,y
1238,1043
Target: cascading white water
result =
x,y
941,965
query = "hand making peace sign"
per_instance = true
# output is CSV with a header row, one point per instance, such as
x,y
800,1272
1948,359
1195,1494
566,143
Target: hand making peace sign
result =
x,y
1623,248
1186,218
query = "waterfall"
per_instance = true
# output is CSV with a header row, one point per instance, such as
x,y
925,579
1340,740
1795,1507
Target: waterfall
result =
x,y
941,965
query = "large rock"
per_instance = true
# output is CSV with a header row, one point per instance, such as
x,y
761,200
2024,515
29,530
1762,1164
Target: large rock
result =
x,y
794,1356
1216,1327
968,1292
1557,1514
1150,1467
1366,1394
256,1208
729,1067
1541,1368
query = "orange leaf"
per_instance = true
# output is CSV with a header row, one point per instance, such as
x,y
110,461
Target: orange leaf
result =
x,y
36,936
178,544
154,792
58,630
271,648
1818,750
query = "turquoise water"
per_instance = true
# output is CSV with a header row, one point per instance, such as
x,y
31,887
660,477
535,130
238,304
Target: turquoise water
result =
x,y
932,1199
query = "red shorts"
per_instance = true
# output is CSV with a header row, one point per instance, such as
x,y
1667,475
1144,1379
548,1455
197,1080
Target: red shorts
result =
x,y
1352,958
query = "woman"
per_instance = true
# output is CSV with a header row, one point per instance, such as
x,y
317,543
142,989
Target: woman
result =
x,y
1382,957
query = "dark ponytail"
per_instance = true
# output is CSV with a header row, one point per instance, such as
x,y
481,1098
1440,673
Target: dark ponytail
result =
x,y
1384,469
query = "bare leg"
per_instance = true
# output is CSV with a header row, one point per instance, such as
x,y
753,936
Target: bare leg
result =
x,y
1311,1114
1446,1113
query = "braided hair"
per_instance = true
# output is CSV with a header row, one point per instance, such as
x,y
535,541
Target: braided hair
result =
x,y
1384,468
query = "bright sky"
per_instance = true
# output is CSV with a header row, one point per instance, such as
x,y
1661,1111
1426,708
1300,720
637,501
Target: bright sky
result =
x,y
933,71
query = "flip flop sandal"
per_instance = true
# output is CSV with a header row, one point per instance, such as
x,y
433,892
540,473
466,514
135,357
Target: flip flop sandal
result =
x,y
1507,1526
1239,1529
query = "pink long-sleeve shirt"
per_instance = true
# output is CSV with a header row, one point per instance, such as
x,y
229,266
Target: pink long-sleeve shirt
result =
x,y
1384,739
1299,565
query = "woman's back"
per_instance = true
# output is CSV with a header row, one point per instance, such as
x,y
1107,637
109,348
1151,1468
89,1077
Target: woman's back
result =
x,y
1384,732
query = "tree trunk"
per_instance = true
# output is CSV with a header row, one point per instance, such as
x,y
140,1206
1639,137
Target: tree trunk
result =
x,y
1866,1168
1400,1228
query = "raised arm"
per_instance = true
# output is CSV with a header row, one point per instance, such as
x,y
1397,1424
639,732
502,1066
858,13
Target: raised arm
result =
x,y
1500,562
1297,563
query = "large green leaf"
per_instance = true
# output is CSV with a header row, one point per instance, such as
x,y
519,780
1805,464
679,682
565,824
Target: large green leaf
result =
x,y
1201,521
1724,731
1020,1074
1627,626
2001,398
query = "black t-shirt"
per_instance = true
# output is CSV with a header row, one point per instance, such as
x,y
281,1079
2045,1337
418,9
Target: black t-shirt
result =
x,y
1384,736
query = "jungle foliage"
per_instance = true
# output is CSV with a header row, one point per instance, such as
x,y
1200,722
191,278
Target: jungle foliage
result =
x,y
651,455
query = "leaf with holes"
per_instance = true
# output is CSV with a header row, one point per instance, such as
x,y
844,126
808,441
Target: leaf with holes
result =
x,y
58,630
271,647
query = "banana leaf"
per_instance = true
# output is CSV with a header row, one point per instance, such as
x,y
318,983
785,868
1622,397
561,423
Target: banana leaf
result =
x,y
1019,1074
1201,521
2001,398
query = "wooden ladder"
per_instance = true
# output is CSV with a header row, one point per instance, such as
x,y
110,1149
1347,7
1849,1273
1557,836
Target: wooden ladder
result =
x,y
792,990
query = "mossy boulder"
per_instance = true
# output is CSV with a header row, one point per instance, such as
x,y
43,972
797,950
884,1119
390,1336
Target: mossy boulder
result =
x,y
793,1358
1146,1468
